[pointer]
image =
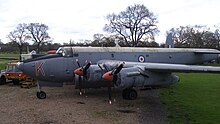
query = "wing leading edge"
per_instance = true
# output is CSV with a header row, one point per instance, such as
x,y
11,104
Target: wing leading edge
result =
x,y
161,67
180,68
207,51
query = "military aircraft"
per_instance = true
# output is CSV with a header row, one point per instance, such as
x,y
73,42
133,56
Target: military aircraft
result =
x,y
123,67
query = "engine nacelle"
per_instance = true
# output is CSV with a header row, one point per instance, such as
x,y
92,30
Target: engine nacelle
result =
x,y
136,77
129,77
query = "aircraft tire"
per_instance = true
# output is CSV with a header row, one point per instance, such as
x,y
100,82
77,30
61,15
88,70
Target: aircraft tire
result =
x,y
131,94
41,95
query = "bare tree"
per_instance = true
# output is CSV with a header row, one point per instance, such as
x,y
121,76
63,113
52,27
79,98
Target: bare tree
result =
x,y
198,36
98,39
19,36
102,41
217,35
134,24
38,34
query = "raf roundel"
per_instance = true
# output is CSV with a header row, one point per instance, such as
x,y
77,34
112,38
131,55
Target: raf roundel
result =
x,y
141,58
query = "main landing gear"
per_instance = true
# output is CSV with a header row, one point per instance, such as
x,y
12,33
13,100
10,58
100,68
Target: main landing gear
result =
x,y
40,94
129,94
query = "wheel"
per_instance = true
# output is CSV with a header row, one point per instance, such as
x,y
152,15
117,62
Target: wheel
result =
x,y
41,95
131,94
2,80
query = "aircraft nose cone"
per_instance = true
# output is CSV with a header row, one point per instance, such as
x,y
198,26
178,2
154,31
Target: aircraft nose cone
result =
x,y
20,66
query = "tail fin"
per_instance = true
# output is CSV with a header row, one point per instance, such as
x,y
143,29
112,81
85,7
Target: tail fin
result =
x,y
169,41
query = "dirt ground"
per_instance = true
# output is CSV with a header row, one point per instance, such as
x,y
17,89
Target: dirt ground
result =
x,y
65,106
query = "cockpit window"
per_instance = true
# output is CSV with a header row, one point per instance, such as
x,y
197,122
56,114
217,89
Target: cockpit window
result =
x,y
59,51
65,51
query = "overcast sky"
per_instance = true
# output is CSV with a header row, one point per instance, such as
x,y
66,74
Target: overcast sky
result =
x,y
81,19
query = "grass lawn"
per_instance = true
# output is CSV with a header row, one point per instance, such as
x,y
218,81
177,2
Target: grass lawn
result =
x,y
3,61
195,99
9,55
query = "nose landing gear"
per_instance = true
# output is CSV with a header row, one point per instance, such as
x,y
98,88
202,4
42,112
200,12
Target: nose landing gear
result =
x,y
40,94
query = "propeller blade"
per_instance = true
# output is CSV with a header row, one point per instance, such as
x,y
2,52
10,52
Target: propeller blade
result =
x,y
109,94
118,69
105,66
100,67
112,77
77,61
82,71
87,66
80,85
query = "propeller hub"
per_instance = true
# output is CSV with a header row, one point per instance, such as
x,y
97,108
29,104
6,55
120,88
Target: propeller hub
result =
x,y
79,72
108,76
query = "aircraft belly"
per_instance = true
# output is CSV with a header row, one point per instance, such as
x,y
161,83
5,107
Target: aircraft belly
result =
x,y
161,79
90,83
50,84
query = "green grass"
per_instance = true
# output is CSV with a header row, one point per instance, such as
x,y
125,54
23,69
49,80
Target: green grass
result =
x,y
3,62
10,55
195,99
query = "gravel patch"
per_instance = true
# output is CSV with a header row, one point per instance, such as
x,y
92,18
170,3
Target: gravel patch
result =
x,y
64,106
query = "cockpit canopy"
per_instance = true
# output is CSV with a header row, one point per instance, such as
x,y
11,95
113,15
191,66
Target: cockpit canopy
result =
x,y
65,51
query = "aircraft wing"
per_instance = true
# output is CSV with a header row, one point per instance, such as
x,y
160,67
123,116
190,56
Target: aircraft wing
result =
x,y
161,67
180,68
206,51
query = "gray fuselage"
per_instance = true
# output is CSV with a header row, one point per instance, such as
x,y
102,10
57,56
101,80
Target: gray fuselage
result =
x,y
60,69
